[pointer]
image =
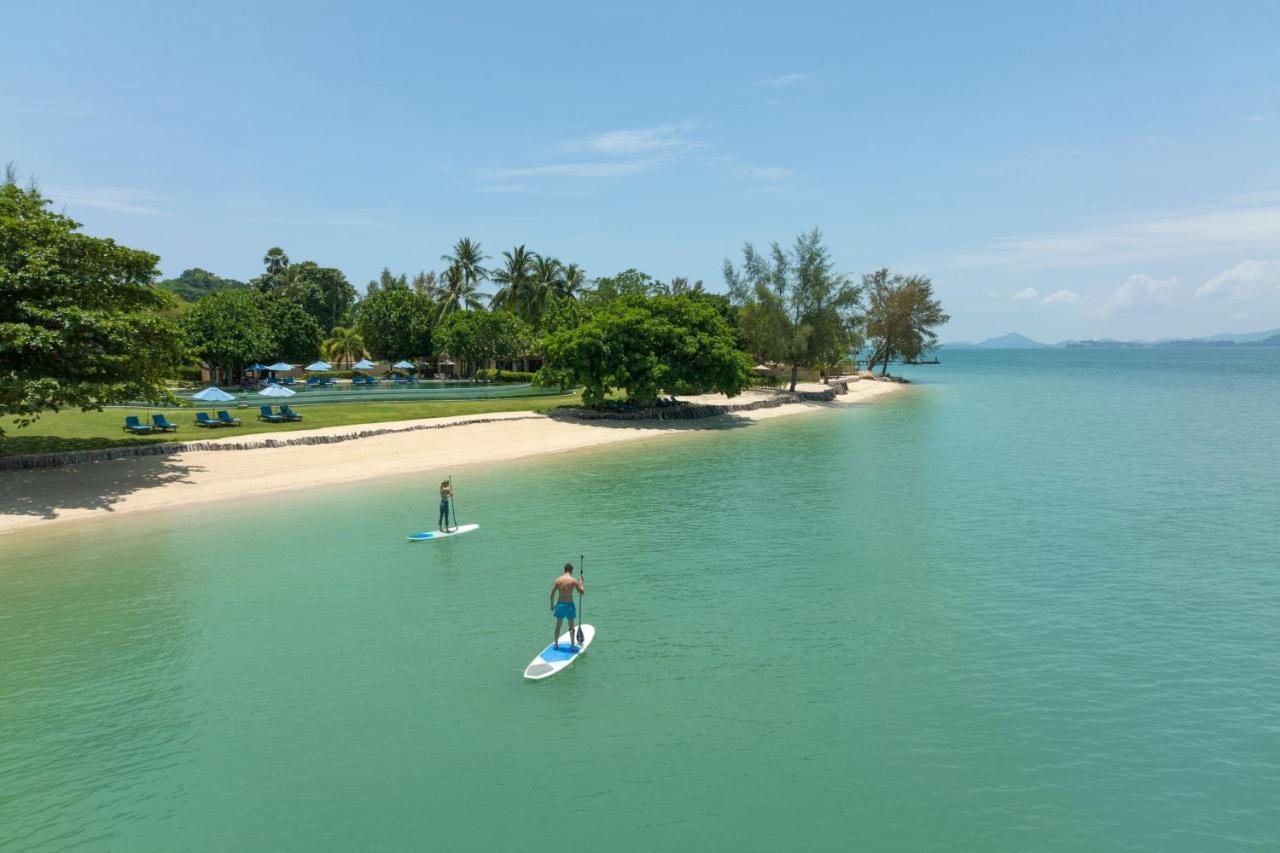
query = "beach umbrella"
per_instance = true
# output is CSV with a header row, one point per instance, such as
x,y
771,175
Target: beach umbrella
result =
x,y
403,365
363,364
213,394
276,391
279,365
255,367
319,365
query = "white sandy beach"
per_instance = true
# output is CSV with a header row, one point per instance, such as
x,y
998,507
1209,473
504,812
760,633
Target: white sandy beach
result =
x,y
37,498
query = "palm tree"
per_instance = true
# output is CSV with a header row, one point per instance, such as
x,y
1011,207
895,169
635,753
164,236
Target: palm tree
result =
x,y
548,281
275,260
680,284
516,279
468,255
573,280
455,293
344,344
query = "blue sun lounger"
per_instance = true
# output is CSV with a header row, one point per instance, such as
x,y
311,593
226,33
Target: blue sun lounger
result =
x,y
289,414
225,419
265,414
133,425
163,424
203,420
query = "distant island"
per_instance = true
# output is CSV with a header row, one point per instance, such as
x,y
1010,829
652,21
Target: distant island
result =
x,y
1013,340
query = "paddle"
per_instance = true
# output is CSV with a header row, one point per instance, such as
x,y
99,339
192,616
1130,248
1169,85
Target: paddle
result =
x,y
453,507
582,574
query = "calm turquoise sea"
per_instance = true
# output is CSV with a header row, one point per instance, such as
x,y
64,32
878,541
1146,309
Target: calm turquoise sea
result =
x,y
1030,603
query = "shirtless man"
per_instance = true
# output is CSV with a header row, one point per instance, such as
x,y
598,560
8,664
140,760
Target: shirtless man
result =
x,y
446,492
564,609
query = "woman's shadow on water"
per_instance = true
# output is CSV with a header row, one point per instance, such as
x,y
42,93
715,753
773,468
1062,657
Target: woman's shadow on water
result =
x,y
93,485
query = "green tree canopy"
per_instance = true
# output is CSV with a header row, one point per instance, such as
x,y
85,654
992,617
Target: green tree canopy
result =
x,y
228,330
629,282
901,317
296,333
194,283
395,322
80,322
645,345
794,308
478,336
323,292
344,345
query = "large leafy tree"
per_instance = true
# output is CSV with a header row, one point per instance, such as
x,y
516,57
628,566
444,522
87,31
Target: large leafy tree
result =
x,y
228,329
194,283
323,292
902,316
645,345
479,336
395,323
80,322
795,308
298,336
629,282
344,345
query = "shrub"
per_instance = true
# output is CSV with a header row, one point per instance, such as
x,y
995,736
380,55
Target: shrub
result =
x,y
488,374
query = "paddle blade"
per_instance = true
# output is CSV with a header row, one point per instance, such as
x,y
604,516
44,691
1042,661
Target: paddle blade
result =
x,y
580,635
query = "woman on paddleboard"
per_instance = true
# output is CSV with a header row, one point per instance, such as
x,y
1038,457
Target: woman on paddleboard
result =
x,y
446,493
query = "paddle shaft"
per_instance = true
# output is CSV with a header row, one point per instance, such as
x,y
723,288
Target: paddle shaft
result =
x,y
582,576
453,506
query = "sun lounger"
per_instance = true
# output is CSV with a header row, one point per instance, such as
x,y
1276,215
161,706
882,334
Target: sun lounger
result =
x,y
225,419
288,380
163,424
133,425
265,414
203,420
289,414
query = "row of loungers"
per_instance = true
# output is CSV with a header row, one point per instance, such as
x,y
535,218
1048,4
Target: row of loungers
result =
x,y
160,423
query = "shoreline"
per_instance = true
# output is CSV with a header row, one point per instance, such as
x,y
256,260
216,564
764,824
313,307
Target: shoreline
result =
x,y
37,498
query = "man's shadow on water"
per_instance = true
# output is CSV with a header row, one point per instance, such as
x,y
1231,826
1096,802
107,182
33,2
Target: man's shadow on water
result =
x,y
47,492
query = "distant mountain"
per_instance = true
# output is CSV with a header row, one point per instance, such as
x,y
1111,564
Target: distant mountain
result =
x,y
1239,337
1013,340
194,283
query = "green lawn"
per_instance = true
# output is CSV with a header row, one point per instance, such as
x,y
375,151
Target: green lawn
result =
x,y
75,430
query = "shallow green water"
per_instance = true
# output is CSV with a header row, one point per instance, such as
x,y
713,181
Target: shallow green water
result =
x,y
1030,603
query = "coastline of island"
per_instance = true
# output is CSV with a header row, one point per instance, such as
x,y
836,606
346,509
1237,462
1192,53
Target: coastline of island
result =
x,y
34,499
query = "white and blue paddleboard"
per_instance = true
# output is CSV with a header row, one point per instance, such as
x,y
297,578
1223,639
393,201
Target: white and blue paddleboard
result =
x,y
550,660
443,534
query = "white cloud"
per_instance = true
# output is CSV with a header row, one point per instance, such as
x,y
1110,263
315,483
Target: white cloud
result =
x,y
1136,240
644,140
783,80
1243,281
1063,297
1141,294
610,169
767,173
1257,197
1026,294
114,199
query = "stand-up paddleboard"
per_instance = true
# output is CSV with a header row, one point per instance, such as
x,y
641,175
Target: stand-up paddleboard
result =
x,y
443,534
550,661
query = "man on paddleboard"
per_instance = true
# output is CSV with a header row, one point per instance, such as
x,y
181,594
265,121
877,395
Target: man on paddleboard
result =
x,y
563,587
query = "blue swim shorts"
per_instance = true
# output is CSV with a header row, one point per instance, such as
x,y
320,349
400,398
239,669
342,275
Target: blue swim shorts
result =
x,y
566,610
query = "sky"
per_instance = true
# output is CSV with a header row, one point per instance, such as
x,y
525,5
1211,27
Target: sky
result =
x,y
1061,170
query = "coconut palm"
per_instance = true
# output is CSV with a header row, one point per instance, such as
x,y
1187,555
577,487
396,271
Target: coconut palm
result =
x,y
454,293
344,345
515,278
573,280
468,255
275,260
680,284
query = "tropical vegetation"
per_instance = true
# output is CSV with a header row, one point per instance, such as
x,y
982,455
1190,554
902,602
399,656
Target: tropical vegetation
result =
x,y
85,322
